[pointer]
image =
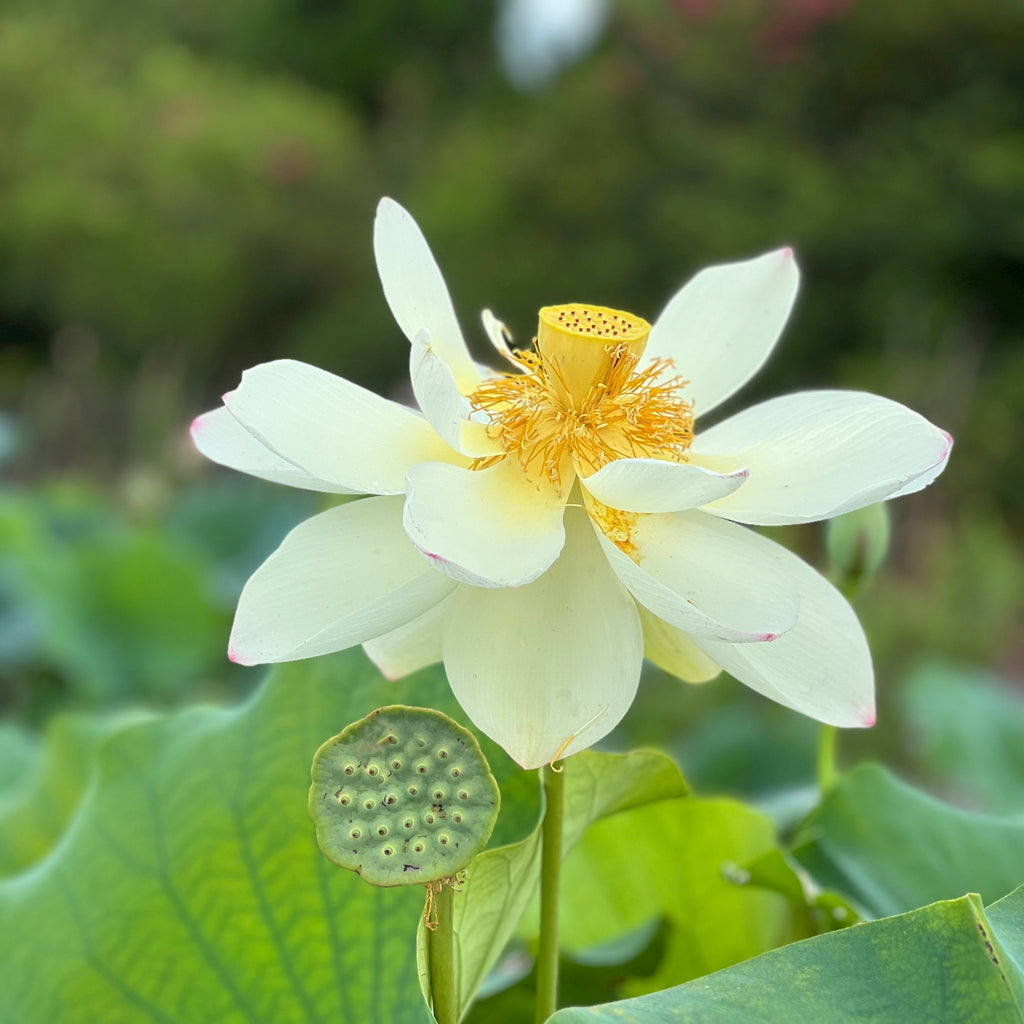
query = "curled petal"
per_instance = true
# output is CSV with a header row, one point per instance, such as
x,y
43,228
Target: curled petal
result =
x,y
222,439
444,406
549,668
338,579
653,485
818,454
433,384
499,337
704,576
721,327
821,667
332,429
489,528
416,292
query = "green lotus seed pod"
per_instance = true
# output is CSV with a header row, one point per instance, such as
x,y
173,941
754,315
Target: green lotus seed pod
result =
x,y
403,797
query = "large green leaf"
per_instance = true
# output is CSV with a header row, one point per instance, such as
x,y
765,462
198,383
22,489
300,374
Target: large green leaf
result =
x,y
188,886
501,883
19,750
81,582
965,729
891,847
592,976
946,963
34,813
814,910
666,860
1007,920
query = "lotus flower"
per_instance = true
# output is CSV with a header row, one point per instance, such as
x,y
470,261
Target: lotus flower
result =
x,y
543,529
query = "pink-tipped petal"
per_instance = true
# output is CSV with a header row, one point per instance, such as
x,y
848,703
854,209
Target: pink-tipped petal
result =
x,y
821,667
334,430
818,454
920,482
704,576
222,439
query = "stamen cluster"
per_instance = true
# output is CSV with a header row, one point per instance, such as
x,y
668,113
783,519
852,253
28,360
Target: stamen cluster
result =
x,y
626,414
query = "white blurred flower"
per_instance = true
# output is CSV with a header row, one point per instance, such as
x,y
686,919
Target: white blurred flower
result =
x,y
536,38
542,530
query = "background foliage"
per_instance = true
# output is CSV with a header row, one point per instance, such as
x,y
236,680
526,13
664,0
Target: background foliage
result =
x,y
187,188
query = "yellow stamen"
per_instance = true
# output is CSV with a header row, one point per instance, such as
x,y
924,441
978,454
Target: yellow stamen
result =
x,y
618,526
581,403
561,750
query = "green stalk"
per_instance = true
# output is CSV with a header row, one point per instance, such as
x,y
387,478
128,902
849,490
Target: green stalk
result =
x,y
827,759
442,960
550,873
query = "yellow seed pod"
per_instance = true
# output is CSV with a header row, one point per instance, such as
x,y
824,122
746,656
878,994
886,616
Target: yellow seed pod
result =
x,y
577,341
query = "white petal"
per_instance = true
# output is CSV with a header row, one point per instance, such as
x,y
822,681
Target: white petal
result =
x,y
720,328
475,441
819,454
707,577
919,483
499,336
338,579
222,439
489,528
547,669
445,408
821,667
653,485
674,651
433,384
415,289
412,646
333,429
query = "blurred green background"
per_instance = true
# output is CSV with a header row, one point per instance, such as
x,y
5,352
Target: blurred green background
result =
x,y
188,188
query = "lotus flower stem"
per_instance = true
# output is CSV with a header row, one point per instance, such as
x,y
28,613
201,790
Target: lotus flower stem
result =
x,y
550,872
826,759
441,958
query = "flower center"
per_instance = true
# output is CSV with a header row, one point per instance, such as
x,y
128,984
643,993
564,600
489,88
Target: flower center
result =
x,y
580,401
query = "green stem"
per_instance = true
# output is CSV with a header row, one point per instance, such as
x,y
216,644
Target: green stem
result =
x,y
827,759
442,960
550,872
